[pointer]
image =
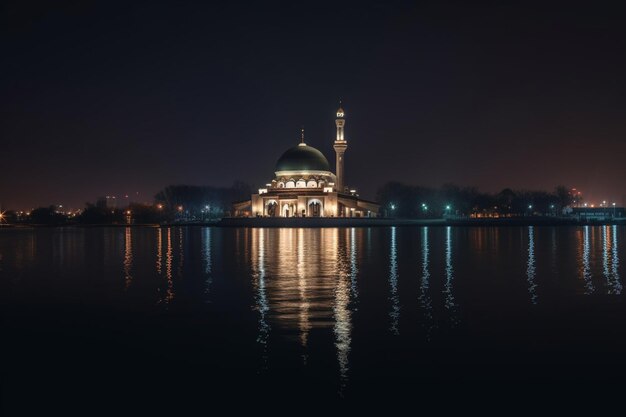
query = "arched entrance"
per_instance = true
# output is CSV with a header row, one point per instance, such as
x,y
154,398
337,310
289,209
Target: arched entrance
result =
x,y
272,208
315,208
288,210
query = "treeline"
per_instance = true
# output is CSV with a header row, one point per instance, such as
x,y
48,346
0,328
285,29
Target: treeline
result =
x,y
173,203
409,201
202,201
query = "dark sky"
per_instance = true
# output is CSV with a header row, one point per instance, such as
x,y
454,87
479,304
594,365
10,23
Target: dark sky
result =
x,y
113,98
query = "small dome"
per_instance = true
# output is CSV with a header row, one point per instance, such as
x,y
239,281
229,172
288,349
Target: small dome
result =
x,y
302,158
340,112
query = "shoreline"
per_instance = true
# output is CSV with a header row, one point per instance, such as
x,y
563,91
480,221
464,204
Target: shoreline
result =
x,y
310,222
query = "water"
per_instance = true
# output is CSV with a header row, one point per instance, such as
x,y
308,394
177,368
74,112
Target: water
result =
x,y
127,315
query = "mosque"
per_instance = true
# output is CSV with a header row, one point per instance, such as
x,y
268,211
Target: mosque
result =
x,y
305,186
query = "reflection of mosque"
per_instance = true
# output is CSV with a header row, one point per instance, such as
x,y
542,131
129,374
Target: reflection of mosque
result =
x,y
304,185
305,279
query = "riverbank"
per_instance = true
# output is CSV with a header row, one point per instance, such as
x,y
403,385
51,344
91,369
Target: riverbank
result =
x,y
311,222
387,222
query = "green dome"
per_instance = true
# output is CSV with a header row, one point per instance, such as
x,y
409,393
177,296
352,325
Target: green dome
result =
x,y
302,158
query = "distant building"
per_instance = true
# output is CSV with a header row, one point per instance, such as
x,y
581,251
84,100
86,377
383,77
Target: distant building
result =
x,y
598,213
305,186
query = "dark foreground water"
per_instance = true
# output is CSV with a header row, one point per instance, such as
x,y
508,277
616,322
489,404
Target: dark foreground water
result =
x,y
169,317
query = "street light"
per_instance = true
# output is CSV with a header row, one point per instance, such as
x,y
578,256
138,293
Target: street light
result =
x,y
613,210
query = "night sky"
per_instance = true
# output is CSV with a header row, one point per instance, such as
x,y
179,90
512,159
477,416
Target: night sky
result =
x,y
111,98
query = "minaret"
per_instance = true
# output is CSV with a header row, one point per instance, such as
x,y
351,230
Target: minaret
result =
x,y
340,147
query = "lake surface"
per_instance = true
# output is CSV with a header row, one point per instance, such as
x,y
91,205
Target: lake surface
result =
x,y
192,314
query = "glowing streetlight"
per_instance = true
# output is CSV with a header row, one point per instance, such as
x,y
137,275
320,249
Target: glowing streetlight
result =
x,y
180,208
160,206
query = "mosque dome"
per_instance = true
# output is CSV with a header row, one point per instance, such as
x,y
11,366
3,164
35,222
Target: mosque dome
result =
x,y
302,158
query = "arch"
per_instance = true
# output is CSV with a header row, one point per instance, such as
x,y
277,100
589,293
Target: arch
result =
x,y
290,184
311,184
321,183
315,208
280,184
271,208
286,210
301,184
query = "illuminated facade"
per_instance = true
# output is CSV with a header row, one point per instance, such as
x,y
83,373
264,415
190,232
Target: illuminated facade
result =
x,y
305,186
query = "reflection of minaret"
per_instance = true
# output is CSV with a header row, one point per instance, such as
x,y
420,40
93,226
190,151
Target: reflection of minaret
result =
x,y
530,270
393,281
340,148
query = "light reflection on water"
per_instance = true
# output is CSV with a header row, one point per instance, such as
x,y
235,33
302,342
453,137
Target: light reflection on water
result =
x,y
615,262
169,290
394,314
302,287
530,268
424,297
206,250
310,288
128,257
450,303
585,262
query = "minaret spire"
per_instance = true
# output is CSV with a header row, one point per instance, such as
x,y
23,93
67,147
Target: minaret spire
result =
x,y
340,147
302,137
